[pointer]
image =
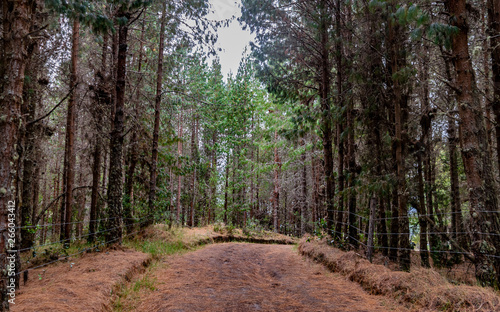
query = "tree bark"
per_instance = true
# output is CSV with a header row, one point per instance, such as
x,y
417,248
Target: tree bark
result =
x,y
194,161
393,239
115,183
156,131
179,177
16,26
31,149
494,33
424,253
69,151
102,99
276,193
474,147
397,62
304,203
456,207
133,157
326,126
226,188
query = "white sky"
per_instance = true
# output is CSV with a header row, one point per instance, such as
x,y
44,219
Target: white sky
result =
x,y
233,39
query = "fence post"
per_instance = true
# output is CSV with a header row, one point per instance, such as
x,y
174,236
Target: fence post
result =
x,y
373,204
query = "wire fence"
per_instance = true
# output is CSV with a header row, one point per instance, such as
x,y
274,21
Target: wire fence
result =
x,y
127,226
441,231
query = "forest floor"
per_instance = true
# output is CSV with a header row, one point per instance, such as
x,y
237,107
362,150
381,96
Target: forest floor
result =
x,y
254,277
164,269
80,284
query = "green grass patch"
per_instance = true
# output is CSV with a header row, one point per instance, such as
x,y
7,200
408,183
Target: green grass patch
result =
x,y
129,294
160,245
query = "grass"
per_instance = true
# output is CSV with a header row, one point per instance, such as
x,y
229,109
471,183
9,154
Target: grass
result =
x,y
128,294
157,248
166,242
162,243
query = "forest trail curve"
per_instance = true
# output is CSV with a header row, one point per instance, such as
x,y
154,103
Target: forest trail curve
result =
x,y
254,277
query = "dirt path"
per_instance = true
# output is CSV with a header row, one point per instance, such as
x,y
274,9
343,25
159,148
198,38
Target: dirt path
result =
x,y
254,277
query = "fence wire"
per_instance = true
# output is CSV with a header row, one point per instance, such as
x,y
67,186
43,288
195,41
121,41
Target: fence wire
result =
x,y
97,245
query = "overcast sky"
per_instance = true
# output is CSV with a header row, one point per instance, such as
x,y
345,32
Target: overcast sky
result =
x,y
233,39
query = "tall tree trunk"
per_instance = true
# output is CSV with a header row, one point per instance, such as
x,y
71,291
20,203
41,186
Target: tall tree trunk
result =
x,y
213,180
456,207
425,123
102,100
156,131
29,141
16,26
326,126
351,158
80,203
398,59
494,31
276,193
424,253
194,161
133,157
252,148
304,203
179,176
69,151
115,184
393,238
474,147
94,197
226,188
340,123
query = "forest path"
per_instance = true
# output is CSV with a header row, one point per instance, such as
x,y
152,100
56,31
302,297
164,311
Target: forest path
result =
x,y
254,277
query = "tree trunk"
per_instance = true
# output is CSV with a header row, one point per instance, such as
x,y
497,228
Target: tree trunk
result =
x,y
69,151
425,123
424,254
102,99
398,59
371,227
16,26
276,193
179,176
351,182
326,126
133,157
456,207
304,203
494,31
226,188
194,160
474,147
80,203
393,238
30,155
115,183
156,131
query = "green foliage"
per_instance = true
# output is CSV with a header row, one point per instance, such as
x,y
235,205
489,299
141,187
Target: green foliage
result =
x,y
442,34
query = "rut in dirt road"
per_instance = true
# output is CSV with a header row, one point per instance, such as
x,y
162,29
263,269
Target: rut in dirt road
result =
x,y
254,277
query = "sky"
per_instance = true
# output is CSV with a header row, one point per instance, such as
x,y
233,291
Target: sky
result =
x,y
233,39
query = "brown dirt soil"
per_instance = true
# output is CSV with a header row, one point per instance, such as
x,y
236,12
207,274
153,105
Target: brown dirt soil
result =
x,y
420,290
254,277
86,286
